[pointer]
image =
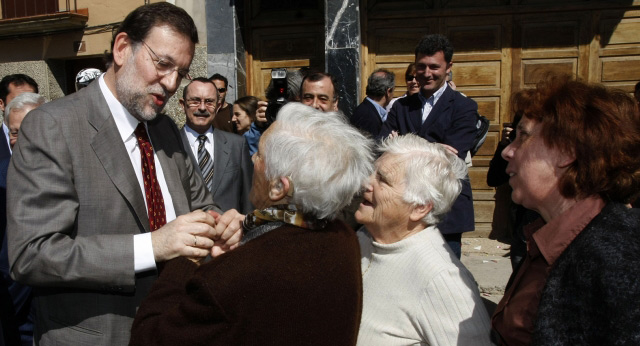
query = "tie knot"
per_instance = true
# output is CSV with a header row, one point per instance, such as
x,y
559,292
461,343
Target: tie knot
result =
x,y
141,133
202,139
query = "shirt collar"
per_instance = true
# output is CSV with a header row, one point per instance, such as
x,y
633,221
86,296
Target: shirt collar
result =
x,y
433,98
554,237
381,111
5,129
192,135
125,122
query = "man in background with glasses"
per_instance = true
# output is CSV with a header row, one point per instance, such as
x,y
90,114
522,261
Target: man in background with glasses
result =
x,y
102,191
221,158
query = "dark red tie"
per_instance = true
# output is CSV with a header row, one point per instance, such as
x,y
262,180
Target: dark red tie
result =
x,y
155,202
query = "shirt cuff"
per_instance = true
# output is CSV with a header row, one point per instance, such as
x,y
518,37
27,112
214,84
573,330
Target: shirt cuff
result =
x,y
143,253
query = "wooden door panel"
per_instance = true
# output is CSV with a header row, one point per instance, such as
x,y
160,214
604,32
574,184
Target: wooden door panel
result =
x,y
478,74
286,47
534,71
621,69
616,50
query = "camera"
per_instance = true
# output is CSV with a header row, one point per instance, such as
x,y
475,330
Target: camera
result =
x,y
277,95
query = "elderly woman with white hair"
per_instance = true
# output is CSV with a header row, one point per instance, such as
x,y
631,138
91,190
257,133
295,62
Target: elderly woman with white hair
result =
x,y
296,278
415,290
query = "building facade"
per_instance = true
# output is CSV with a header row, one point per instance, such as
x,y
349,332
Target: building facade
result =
x,y
501,46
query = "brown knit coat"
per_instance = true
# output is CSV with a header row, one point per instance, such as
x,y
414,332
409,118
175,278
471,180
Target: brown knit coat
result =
x,y
290,286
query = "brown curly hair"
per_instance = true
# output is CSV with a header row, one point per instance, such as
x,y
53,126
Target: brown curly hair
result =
x,y
599,126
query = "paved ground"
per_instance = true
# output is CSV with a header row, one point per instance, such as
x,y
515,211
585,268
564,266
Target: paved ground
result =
x,y
488,260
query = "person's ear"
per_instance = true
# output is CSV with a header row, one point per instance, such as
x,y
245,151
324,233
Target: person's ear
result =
x,y
181,101
279,189
449,66
1,105
121,48
566,158
418,212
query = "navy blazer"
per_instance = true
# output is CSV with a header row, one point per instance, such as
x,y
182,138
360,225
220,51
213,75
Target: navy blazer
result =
x,y
452,121
366,117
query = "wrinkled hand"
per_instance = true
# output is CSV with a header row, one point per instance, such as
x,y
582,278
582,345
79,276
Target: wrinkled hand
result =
x,y
261,113
188,235
450,149
228,231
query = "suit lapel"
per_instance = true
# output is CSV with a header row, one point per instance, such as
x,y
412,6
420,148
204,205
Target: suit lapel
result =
x,y
221,158
187,148
112,154
414,113
441,107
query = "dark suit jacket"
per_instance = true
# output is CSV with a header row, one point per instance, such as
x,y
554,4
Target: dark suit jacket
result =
x,y
366,118
232,170
73,208
452,121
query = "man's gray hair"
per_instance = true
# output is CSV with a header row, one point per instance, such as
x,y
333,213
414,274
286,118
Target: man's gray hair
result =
x,y
432,173
22,100
327,159
379,82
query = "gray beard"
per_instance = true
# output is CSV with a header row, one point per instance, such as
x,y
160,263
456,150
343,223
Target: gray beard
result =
x,y
134,101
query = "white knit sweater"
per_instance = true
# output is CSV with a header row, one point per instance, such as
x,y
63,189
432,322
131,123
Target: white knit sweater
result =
x,y
416,292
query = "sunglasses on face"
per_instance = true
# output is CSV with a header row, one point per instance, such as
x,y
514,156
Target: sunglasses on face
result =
x,y
221,90
409,78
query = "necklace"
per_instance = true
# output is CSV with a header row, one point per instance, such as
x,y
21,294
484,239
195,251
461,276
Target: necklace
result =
x,y
369,266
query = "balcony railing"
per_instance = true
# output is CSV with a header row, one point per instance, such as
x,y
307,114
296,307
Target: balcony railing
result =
x,y
23,18
29,8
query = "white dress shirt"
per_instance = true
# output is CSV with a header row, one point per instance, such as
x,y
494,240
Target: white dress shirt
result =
x,y
192,137
429,103
126,123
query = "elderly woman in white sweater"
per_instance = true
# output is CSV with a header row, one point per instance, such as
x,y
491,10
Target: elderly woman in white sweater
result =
x,y
415,291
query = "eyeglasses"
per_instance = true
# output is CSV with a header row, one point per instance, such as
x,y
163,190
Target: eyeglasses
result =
x,y
195,102
221,90
409,78
164,67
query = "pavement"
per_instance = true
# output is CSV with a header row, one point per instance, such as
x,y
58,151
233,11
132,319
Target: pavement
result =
x,y
489,262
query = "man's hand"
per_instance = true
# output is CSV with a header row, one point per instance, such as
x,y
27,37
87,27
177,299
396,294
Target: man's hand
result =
x,y
188,235
450,149
228,231
506,131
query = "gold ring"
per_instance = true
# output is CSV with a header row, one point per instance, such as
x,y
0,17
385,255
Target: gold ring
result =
x,y
195,240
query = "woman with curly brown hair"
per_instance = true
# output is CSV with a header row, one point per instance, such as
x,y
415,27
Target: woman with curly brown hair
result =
x,y
575,162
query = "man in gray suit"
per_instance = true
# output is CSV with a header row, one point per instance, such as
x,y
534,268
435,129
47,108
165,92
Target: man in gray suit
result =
x,y
86,189
222,158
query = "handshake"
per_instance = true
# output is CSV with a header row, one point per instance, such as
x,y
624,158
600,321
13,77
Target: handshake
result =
x,y
198,234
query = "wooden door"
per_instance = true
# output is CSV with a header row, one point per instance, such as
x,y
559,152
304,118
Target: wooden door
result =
x,y
282,34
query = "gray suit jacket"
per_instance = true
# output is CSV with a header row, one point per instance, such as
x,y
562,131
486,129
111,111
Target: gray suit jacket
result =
x,y
74,206
232,170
